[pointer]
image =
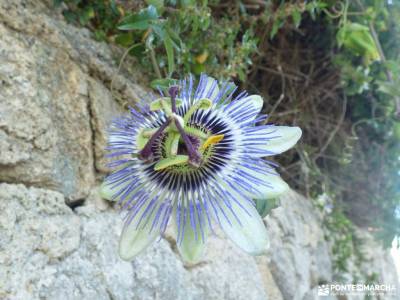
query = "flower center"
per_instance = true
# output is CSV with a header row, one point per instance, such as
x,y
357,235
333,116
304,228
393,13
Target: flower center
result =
x,y
210,135
182,150
181,143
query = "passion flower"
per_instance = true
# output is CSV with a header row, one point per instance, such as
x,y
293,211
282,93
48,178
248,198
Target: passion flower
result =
x,y
196,158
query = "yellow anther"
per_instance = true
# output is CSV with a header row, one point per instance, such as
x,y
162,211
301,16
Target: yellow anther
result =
x,y
214,139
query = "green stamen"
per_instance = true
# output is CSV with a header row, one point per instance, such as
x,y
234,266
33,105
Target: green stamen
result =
x,y
176,129
171,161
196,132
141,140
148,132
172,143
200,104
164,104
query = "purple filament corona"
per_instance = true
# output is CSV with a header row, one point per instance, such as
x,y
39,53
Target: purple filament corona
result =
x,y
201,193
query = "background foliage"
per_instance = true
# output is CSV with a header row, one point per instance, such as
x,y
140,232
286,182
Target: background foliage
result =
x,y
330,67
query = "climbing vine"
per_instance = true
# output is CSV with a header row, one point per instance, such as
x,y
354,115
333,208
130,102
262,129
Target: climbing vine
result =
x,y
330,67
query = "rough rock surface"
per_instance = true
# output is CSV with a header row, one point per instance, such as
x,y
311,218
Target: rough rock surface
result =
x,y
299,253
48,251
55,104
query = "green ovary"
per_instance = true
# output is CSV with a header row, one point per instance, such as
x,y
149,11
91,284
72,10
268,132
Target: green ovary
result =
x,y
171,144
173,160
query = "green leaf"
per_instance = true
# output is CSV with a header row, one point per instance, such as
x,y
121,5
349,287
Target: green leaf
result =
x,y
162,84
173,34
124,39
314,7
138,51
159,30
296,15
198,68
159,4
140,20
278,23
187,3
114,8
242,75
357,38
170,55
264,206
389,88
393,66
140,25
100,35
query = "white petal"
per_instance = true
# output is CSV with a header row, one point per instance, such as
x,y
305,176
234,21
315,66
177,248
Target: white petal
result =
x,y
276,187
115,138
192,246
265,181
106,192
134,239
257,101
272,185
211,89
250,234
140,231
252,104
283,138
267,140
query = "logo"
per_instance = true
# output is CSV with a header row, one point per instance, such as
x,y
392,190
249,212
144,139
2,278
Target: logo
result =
x,y
358,289
323,290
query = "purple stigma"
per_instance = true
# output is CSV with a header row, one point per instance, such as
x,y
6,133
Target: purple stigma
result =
x,y
194,156
173,92
146,153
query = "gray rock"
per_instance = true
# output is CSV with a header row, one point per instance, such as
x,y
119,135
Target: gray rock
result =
x,y
52,107
299,256
45,120
48,251
37,230
103,110
55,105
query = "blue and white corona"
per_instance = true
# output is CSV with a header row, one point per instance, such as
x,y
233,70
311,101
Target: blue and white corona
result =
x,y
195,158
